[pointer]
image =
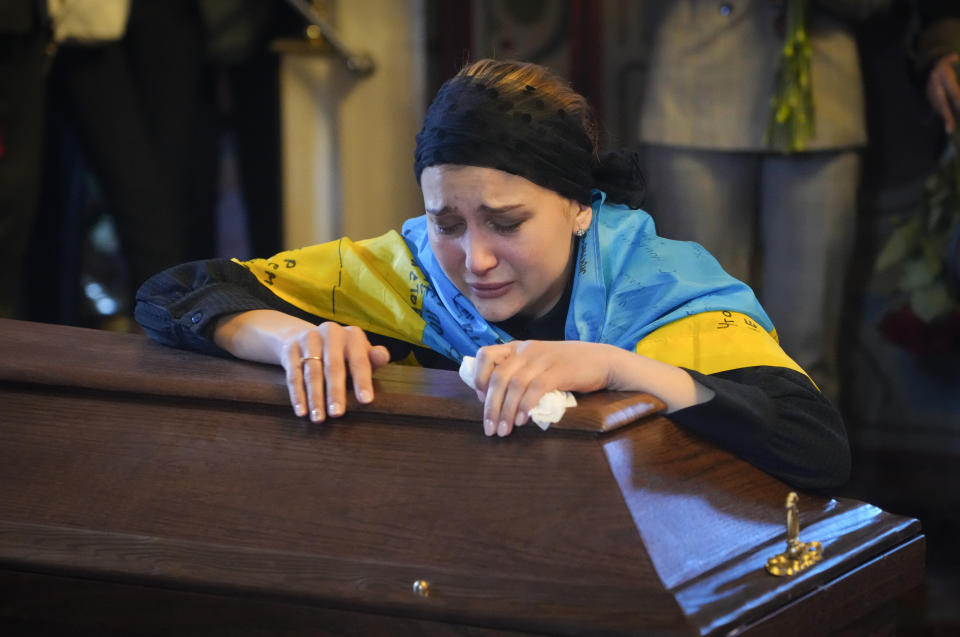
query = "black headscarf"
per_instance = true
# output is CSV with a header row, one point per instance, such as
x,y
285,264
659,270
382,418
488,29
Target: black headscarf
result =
x,y
519,132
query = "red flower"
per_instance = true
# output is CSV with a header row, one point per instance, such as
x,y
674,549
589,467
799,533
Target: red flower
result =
x,y
902,327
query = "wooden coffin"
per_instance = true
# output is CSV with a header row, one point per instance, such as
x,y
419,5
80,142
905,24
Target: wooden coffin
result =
x,y
147,490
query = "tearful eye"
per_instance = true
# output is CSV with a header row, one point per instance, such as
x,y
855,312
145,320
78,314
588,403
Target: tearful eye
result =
x,y
506,228
446,228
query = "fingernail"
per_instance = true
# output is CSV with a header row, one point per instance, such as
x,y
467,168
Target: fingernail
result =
x,y
316,415
365,396
334,409
520,419
502,428
489,428
299,410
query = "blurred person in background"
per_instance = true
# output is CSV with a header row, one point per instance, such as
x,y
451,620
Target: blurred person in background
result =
x,y
137,114
133,120
777,214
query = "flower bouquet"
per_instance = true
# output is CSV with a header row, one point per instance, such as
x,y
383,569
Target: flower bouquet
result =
x,y
922,258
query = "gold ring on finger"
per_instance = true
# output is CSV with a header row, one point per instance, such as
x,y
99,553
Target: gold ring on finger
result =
x,y
303,361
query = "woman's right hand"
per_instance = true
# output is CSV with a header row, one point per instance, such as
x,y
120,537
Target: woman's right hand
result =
x,y
316,358
317,361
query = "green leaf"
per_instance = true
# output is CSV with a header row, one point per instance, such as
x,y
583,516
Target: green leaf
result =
x,y
899,245
915,275
934,212
931,248
932,302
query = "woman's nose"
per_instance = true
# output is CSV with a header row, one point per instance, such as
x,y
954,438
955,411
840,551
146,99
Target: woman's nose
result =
x,y
480,257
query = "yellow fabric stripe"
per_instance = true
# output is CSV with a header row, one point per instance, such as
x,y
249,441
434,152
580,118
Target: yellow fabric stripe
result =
x,y
713,342
410,360
373,284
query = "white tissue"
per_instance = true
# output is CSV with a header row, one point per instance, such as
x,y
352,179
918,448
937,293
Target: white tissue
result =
x,y
549,410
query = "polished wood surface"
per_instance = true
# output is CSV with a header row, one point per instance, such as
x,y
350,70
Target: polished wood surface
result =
x,y
148,471
130,363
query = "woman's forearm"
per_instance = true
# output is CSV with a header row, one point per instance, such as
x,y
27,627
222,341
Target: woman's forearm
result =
x,y
258,335
671,384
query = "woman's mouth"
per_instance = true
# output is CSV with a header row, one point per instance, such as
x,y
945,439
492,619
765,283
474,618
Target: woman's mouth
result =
x,y
489,290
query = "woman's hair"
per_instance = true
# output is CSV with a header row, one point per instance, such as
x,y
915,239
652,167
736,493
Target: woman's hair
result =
x,y
554,89
521,118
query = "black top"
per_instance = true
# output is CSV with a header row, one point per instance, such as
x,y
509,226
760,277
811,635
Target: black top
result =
x,y
938,34
773,417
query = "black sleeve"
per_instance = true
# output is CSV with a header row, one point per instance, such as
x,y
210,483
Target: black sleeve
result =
x,y
775,419
854,10
938,35
933,10
180,306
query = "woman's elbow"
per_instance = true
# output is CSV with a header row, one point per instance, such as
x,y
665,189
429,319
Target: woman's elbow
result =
x,y
824,463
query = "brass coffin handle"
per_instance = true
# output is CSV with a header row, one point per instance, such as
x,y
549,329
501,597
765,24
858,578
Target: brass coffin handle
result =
x,y
799,555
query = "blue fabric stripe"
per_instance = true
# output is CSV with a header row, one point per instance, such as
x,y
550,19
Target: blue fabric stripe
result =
x,y
628,283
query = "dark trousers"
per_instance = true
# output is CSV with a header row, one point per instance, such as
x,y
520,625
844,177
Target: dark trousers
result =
x,y
23,61
142,112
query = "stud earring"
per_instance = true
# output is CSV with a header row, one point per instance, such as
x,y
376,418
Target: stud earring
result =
x,y
580,232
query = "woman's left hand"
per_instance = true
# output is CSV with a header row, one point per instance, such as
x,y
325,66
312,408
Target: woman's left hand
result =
x,y
513,377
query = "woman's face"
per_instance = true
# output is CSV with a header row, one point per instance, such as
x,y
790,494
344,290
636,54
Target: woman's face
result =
x,y
505,242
